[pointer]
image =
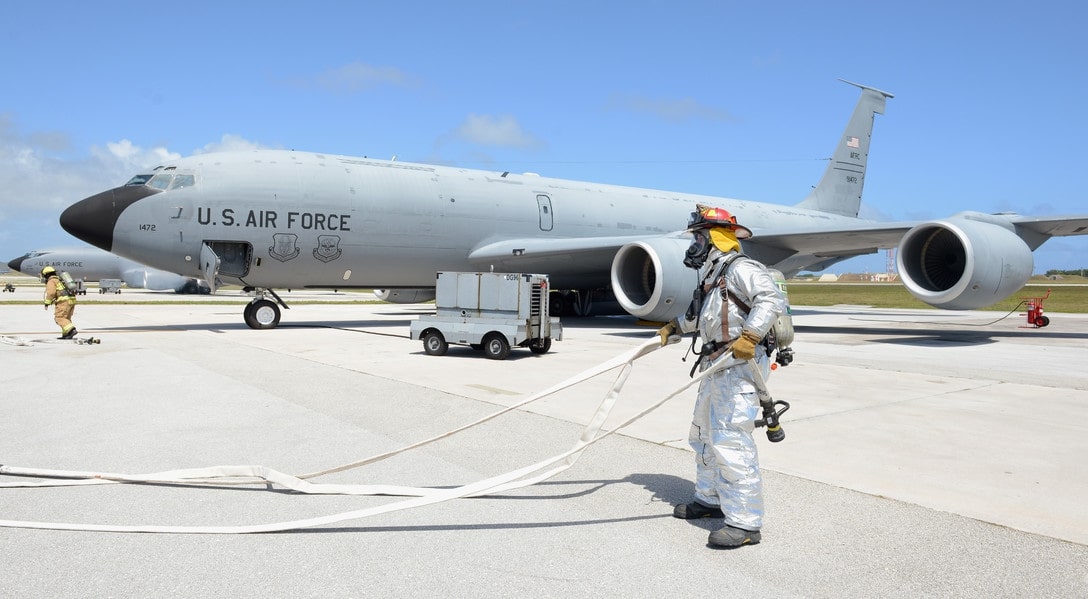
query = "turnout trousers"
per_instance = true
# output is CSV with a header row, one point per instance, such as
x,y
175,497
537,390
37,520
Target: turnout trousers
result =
x,y
727,464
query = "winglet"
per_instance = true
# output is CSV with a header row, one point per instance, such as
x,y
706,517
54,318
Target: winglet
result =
x,y
839,190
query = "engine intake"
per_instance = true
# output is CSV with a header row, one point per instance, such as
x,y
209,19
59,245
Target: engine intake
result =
x,y
650,280
968,261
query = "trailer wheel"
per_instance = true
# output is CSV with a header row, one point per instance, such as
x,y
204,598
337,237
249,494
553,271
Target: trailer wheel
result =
x,y
541,346
496,347
1042,321
434,343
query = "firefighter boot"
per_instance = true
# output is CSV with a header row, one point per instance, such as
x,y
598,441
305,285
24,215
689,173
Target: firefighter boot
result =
x,y
731,536
695,510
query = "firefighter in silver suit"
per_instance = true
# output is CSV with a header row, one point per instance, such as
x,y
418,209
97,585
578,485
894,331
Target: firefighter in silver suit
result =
x,y
739,305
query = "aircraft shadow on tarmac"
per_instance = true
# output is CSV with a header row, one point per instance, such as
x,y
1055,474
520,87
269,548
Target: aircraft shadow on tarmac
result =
x,y
354,326
934,336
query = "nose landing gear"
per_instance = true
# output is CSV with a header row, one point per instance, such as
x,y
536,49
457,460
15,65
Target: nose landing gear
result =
x,y
262,313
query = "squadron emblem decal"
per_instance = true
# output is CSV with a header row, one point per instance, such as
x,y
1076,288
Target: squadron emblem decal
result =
x,y
284,247
328,248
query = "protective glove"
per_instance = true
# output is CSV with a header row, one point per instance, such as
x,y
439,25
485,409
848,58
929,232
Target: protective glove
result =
x,y
744,348
665,332
46,306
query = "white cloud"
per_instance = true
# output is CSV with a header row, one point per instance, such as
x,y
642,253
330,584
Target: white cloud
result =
x,y
230,143
40,176
491,130
357,76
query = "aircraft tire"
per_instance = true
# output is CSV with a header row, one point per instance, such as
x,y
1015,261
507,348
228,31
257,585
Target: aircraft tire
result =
x,y
434,344
262,314
496,347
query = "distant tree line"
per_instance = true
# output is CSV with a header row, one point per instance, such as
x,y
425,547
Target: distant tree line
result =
x,y
1075,272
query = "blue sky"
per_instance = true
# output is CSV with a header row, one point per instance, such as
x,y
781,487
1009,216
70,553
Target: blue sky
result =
x,y
735,99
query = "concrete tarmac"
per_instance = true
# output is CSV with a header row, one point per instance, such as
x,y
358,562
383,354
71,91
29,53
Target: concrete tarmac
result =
x,y
927,453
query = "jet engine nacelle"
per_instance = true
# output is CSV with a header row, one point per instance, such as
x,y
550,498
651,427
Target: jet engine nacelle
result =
x,y
968,261
193,286
405,296
650,280
158,280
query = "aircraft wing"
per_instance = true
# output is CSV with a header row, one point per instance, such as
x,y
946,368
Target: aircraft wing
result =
x,y
863,238
587,258
1053,226
577,259
549,247
867,237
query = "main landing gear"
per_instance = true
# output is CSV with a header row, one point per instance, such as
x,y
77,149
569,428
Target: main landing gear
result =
x,y
262,313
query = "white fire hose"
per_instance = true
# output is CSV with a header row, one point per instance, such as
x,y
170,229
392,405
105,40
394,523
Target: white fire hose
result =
x,y
419,496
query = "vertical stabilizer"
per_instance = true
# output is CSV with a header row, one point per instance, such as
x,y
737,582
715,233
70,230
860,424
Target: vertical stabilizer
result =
x,y
839,191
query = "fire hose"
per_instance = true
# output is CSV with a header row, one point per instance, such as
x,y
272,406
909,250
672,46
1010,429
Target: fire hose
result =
x,y
419,496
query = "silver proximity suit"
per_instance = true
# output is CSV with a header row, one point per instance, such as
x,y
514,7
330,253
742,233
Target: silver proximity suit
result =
x,y
726,407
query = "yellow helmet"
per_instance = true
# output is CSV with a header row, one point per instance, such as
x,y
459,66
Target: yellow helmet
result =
x,y
48,270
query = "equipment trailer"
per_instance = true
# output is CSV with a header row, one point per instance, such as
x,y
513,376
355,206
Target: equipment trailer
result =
x,y
490,311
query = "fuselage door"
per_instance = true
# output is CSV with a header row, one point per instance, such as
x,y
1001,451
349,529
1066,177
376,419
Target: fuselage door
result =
x,y
209,265
544,205
233,258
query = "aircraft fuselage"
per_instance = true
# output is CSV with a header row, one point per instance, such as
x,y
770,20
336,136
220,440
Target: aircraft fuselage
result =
x,y
282,219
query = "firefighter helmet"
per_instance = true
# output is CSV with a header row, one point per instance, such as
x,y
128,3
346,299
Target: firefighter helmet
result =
x,y
708,217
47,271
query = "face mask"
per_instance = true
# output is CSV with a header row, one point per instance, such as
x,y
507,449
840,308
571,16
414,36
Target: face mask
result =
x,y
698,250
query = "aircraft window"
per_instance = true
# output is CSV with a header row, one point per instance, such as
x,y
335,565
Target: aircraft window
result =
x,y
160,181
183,181
138,180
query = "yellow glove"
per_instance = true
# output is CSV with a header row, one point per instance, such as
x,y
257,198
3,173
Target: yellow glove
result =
x,y
744,348
665,332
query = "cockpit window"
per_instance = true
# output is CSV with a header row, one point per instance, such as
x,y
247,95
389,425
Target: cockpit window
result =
x,y
138,180
160,181
183,181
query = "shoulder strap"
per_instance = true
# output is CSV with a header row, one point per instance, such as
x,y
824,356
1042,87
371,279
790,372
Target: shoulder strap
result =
x,y
726,291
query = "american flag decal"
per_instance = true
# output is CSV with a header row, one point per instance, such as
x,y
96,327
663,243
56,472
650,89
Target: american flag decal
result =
x,y
852,142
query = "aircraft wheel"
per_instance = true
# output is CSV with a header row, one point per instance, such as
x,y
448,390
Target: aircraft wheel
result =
x,y
262,314
434,343
496,347
541,346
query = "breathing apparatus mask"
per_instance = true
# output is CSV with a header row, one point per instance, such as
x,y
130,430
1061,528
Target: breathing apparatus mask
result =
x,y
699,249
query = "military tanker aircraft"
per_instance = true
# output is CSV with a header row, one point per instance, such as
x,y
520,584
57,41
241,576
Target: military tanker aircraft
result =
x,y
277,219
92,264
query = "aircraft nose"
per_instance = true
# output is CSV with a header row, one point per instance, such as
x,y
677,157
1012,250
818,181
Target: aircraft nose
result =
x,y
93,219
17,264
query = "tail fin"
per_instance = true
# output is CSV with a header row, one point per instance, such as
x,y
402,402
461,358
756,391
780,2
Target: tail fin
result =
x,y
839,191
